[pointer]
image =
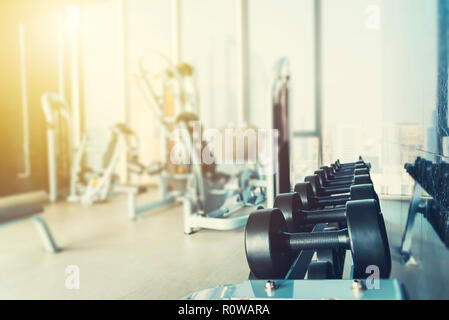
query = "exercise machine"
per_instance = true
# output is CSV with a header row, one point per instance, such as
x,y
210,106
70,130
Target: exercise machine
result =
x,y
172,100
28,207
210,198
67,165
280,96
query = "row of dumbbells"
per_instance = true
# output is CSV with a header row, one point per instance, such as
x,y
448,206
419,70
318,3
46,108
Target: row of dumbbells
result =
x,y
433,177
341,196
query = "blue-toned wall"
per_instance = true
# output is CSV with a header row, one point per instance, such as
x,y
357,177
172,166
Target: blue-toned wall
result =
x,y
384,76
414,87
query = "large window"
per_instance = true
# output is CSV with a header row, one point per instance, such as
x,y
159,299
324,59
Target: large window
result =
x,y
282,29
209,43
378,73
149,31
286,29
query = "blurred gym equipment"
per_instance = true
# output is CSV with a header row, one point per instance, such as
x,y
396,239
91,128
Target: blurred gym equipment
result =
x,y
28,207
87,185
208,200
280,95
280,245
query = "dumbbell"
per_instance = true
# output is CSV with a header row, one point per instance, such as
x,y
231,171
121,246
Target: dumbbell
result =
x,y
347,167
335,172
332,173
299,219
296,216
356,192
433,177
335,182
327,182
336,177
320,190
309,201
270,250
350,164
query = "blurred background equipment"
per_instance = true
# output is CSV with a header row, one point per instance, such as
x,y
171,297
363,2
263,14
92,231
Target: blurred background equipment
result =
x,y
125,103
65,163
209,196
25,207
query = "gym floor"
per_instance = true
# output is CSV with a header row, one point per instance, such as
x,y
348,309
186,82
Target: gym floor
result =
x,y
150,258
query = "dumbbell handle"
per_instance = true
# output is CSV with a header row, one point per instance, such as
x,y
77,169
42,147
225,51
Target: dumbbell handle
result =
x,y
335,202
323,216
335,182
346,189
318,240
333,198
337,190
343,198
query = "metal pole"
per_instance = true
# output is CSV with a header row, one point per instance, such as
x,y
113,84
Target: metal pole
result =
x,y
442,125
123,52
75,72
243,60
61,80
124,70
177,32
318,81
24,95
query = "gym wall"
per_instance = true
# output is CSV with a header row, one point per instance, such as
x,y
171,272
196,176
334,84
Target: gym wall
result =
x,y
365,70
40,75
149,27
103,82
380,94
379,85
209,29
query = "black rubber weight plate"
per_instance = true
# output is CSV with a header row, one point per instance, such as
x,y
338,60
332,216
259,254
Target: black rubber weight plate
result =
x,y
367,243
266,256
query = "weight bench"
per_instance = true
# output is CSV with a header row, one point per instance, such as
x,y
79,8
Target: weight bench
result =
x,y
19,212
132,192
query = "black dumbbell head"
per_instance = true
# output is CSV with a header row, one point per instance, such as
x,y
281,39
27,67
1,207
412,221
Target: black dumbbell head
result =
x,y
305,192
361,171
313,180
363,192
362,179
383,231
289,204
368,244
265,253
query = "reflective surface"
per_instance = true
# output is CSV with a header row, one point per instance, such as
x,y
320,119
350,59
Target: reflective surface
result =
x,y
301,290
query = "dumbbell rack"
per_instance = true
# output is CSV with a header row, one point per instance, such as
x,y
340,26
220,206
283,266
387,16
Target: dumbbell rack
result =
x,y
308,279
303,264
432,178
293,286
391,289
